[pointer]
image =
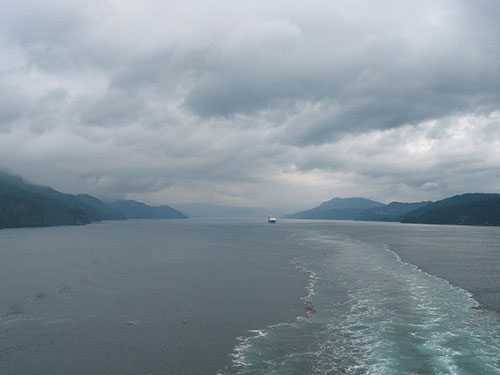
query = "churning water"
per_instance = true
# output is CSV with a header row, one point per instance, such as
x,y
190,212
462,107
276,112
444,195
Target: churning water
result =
x,y
373,313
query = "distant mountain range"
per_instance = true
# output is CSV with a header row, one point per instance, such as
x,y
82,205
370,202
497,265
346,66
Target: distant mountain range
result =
x,y
137,210
337,209
394,211
23,204
465,209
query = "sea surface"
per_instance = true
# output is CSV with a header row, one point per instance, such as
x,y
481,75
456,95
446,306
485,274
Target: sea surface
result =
x,y
247,297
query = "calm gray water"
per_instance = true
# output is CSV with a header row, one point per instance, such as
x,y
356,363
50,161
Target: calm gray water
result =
x,y
245,297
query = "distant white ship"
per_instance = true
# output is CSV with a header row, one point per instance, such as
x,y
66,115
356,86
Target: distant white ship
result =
x,y
271,219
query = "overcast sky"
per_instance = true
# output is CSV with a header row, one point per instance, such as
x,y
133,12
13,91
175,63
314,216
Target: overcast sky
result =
x,y
252,103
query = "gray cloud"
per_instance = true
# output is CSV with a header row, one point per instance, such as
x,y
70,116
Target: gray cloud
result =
x,y
270,103
13,106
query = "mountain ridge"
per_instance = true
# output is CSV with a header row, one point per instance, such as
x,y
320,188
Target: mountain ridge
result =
x,y
337,209
24,204
138,210
394,211
462,209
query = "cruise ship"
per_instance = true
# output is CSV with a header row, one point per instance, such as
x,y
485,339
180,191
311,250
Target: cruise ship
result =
x,y
271,219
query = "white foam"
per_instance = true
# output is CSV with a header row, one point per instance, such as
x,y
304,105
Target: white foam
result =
x,y
240,355
416,268
368,332
310,287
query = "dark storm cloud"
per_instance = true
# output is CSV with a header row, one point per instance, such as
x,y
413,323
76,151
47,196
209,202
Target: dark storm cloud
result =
x,y
51,35
387,81
255,103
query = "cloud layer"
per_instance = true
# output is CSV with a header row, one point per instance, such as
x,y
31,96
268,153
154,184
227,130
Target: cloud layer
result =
x,y
282,103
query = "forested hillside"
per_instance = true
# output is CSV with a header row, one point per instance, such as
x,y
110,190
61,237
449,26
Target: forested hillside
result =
x,y
23,204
